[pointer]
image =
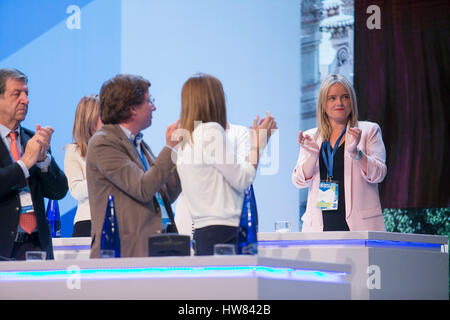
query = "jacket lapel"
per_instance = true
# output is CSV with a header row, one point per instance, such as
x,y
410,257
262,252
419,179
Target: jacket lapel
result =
x,y
319,140
26,135
348,164
5,156
127,144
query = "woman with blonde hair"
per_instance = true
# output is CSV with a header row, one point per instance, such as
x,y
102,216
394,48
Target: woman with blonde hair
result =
x,y
87,122
212,178
341,162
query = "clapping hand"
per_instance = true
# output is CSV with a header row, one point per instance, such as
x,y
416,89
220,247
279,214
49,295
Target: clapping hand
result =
x,y
308,143
261,132
43,138
37,146
353,137
172,134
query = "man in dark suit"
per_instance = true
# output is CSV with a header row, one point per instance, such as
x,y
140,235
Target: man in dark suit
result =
x,y
28,173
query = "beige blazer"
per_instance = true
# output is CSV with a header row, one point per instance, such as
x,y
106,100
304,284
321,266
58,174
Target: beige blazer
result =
x,y
114,167
362,201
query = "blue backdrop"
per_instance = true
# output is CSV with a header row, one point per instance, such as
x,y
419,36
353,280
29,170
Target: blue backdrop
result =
x,y
69,48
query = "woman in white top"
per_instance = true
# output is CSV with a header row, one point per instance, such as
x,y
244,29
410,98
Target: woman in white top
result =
x,y
238,136
212,179
86,123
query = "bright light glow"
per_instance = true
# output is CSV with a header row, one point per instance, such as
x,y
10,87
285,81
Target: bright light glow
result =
x,y
178,272
71,247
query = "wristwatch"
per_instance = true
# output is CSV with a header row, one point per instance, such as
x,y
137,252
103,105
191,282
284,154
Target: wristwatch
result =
x,y
358,156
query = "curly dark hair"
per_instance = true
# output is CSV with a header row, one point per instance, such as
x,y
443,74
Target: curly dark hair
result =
x,y
120,93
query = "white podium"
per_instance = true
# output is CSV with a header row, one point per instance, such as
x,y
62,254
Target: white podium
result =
x,y
384,265
381,265
184,278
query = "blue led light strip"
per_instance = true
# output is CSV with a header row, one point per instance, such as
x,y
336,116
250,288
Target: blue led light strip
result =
x,y
178,272
353,242
72,247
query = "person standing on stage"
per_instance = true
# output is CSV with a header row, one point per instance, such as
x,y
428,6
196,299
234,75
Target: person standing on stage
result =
x,y
28,173
119,162
213,186
342,161
87,122
239,139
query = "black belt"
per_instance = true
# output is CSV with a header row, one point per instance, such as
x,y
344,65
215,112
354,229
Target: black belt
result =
x,y
25,237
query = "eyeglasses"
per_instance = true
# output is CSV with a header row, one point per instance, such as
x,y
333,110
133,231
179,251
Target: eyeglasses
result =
x,y
151,100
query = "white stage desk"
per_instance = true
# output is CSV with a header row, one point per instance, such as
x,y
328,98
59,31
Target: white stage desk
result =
x,y
184,278
384,265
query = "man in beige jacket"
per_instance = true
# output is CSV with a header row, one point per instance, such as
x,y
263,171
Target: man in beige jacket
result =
x,y
120,163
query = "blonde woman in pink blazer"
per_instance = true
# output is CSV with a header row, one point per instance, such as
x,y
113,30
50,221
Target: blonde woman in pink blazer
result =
x,y
345,154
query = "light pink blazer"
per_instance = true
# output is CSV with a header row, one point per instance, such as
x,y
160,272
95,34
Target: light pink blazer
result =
x,y
362,201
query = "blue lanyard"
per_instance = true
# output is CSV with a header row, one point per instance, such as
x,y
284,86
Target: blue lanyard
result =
x,y
157,194
141,154
329,157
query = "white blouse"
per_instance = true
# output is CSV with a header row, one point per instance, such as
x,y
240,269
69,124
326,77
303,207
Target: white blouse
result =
x,y
75,170
213,177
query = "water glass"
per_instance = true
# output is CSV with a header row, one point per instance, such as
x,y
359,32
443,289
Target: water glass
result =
x,y
35,255
106,254
223,249
282,226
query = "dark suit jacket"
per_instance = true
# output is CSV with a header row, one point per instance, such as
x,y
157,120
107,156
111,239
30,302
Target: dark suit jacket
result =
x,y
114,167
52,185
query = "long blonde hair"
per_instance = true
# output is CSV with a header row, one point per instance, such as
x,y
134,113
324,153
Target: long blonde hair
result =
x,y
85,123
323,123
202,99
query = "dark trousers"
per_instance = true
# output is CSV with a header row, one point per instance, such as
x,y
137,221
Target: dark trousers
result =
x,y
205,238
30,244
82,229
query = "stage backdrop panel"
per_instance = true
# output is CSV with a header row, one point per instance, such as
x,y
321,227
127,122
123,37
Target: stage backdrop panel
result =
x,y
69,48
63,59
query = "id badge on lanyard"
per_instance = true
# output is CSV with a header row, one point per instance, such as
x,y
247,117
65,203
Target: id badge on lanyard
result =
x,y
25,200
328,195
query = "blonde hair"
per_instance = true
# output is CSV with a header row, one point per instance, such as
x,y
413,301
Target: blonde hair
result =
x,y
85,123
202,99
323,123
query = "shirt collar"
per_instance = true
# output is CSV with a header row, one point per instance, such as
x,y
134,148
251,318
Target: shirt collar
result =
x,y
132,137
4,131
